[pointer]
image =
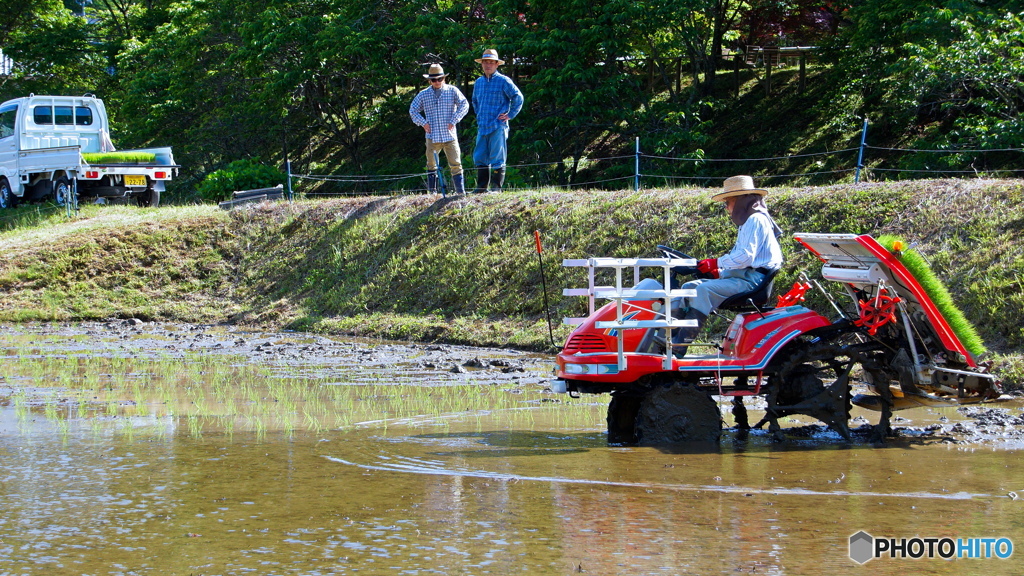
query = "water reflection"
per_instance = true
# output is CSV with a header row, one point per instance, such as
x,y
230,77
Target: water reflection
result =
x,y
444,484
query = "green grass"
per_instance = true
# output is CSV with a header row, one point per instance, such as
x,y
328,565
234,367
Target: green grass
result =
x,y
119,157
465,270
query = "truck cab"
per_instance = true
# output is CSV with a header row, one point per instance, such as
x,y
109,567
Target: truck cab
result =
x,y
42,142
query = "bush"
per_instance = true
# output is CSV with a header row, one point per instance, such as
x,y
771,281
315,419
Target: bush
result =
x,y
239,175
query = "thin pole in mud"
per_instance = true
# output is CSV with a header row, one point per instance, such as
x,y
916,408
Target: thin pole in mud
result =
x,y
544,287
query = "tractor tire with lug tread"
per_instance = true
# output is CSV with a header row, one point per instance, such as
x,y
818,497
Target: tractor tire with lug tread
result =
x,y
622,412
814,380
675,414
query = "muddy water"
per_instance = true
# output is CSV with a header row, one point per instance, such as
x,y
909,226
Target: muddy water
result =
x,y
114,475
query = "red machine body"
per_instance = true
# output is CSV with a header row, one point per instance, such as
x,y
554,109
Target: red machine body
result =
x,y
590,353
887,334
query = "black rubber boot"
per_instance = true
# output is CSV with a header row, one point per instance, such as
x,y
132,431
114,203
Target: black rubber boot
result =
x,y
687,335
459,183
483,179
431,182
652,343
497,179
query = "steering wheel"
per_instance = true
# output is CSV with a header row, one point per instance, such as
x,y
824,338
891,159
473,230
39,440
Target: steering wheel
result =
x,y
672,252
681,270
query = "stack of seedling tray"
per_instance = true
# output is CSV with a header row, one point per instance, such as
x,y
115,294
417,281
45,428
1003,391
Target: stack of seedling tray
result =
x,y
243,197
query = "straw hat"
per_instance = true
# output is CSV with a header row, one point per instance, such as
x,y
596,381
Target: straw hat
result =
x,y
490,54
435,72
738,186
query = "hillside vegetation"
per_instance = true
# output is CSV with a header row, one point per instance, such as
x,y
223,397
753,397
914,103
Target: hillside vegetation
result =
x,y
465,269
705,89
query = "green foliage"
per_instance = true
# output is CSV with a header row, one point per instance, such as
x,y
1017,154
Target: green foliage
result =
x,y
49,47
933,74
117,264
973,85
239,175
324,82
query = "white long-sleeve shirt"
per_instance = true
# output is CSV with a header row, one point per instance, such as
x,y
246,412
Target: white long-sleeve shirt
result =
x,y
756,246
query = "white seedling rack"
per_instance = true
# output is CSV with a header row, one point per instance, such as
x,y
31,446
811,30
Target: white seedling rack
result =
x,y
622,297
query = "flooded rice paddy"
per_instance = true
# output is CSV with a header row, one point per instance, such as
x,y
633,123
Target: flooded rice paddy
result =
x,y
133,448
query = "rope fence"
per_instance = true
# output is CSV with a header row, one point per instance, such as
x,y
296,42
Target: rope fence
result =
x,y
650,170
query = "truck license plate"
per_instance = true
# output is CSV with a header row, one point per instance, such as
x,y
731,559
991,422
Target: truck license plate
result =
x,y
134,180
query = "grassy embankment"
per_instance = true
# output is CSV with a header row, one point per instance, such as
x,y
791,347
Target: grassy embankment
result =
x,y
464,270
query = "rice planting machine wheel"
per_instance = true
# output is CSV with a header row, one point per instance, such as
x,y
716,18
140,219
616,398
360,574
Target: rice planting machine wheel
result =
x,y
813,379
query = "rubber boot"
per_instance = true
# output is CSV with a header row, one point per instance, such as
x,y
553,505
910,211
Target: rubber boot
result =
x,y
687,335
483,179
497,179
431,182
653,342
459,182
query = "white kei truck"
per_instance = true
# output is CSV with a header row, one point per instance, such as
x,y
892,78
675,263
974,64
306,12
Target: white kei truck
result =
x,y
46,143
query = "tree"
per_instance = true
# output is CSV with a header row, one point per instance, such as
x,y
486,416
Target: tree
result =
x,y
580,56
946,72
49,47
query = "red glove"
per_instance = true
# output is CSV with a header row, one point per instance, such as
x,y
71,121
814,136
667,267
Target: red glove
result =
x,y
709,266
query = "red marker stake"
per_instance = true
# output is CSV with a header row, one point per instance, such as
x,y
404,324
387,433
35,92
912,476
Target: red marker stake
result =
x,y
544,287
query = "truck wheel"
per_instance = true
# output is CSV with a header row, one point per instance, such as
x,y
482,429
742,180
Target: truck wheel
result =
x,y
6,196
61,191
148,199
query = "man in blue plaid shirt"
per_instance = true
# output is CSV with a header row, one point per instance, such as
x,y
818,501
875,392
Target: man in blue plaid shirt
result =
x,y
438,109
496,100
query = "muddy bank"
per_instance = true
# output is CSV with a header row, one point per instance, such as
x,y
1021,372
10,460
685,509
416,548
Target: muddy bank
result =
x,y
395,360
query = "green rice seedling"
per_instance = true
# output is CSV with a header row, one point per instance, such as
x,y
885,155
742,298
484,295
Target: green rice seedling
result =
x,y
195,426
128,429
312,423
63,429
96,426
937,291
50,409
118,157
82,407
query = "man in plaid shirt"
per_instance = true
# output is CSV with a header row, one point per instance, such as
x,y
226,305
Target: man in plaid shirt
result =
x,y
496,100
438,109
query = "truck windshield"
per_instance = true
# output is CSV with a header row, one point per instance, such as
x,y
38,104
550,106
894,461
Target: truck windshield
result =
x,y
62,115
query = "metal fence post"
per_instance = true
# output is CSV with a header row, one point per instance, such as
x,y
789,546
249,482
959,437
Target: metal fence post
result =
x,y
288,167
860,155
438,173
636,167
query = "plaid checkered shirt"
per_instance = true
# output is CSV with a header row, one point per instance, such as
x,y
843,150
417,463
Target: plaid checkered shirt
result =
x,y
439,108
492,97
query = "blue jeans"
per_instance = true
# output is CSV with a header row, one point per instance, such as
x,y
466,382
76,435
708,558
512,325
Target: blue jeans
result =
x,y
490,149
710,292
